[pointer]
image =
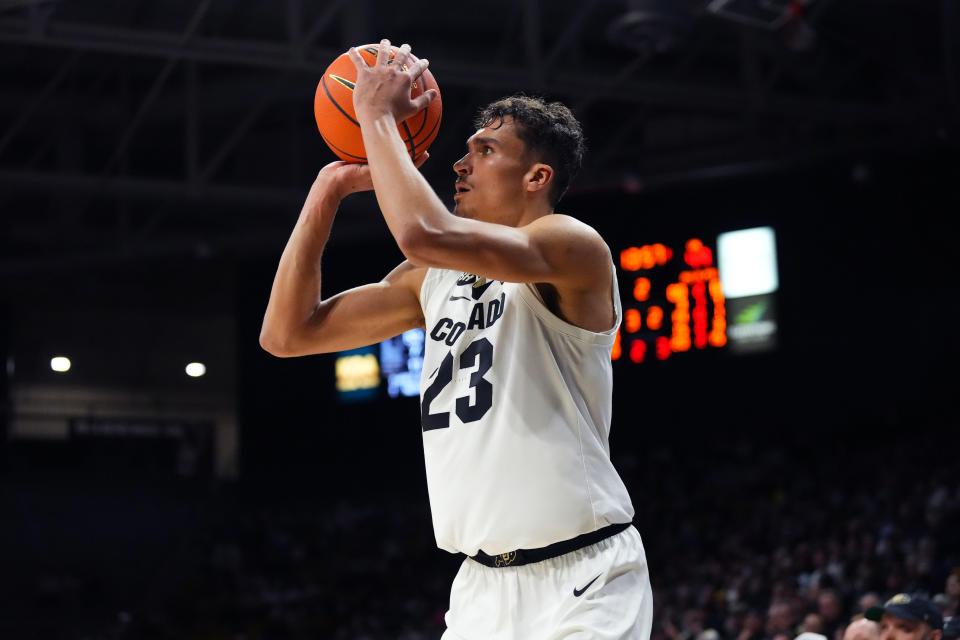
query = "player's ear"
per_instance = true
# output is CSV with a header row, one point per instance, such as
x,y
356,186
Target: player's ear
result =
x,y
538,177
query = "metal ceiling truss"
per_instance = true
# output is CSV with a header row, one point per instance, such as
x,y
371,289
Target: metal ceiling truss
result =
x,y
546,68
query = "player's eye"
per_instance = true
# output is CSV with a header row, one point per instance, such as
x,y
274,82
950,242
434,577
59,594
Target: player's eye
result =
x,y
484,150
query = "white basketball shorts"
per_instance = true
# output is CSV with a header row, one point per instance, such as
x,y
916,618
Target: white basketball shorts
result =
x,y
599,592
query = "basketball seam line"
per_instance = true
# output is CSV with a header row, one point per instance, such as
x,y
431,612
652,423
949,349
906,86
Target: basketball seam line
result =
x,y
323,81
346,153
424,123
413,145
432,129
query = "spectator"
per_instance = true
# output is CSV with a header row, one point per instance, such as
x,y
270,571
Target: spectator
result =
x,y
862,629
692,624
812,623
868,601
780,619
951,628
752,628
908,617
830,609
952,591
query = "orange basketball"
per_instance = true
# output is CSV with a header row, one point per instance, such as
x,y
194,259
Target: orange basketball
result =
x,y
333,109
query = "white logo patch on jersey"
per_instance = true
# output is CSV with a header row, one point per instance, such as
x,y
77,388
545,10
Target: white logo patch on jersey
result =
x,y
480,316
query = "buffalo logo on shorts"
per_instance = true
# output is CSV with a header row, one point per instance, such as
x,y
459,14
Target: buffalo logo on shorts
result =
x,y
504,559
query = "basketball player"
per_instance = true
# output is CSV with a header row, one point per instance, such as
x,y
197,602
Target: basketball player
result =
x,y
520,307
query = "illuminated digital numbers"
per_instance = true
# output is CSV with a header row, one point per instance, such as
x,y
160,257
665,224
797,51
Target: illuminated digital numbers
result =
x,y
632,320
674,306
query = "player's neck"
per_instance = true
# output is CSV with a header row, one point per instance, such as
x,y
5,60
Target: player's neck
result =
x,y
531,213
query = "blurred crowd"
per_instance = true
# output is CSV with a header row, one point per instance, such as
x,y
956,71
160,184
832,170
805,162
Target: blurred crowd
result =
x,y
745,540
795,541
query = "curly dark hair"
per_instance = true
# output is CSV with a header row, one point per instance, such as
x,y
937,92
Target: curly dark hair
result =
x,y
550,132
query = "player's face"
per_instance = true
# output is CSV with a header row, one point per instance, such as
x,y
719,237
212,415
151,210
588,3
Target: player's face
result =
x,y
491,176
892,628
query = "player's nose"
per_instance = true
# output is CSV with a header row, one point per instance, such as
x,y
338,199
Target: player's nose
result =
x,y
462,166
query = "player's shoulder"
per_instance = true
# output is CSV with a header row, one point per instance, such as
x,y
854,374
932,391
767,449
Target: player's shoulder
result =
x,y
573,228
573,236
576,251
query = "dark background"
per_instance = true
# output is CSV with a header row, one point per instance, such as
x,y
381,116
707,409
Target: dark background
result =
x,y
152,163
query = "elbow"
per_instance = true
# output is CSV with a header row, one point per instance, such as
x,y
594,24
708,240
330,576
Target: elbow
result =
x,y
273,345
292,342
278,344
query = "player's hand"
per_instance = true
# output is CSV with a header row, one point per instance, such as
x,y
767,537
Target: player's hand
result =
x,y
349,177
385,87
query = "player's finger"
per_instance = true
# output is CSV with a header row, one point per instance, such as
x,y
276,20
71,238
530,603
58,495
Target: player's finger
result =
x,y
418,67
423,158
403,56
356,58
422,101
383,53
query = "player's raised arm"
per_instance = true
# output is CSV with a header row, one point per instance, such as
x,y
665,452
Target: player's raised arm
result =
x,y
504,192
555,249
298,320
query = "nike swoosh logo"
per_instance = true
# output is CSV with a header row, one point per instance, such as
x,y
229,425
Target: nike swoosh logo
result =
x,y
344,82
579,592
453,298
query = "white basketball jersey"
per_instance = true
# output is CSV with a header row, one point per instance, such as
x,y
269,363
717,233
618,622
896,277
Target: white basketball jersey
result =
x,y
515,409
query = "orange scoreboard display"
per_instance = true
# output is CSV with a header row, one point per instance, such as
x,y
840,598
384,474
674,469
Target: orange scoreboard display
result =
x,y
673,302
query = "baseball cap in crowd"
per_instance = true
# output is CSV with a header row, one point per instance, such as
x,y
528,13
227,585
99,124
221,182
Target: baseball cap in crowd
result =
x,y
908,607
951,628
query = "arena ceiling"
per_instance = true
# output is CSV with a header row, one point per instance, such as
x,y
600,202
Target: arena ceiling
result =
x,y
133,130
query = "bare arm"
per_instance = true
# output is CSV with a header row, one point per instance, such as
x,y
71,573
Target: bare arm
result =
x,y
554,249
298,321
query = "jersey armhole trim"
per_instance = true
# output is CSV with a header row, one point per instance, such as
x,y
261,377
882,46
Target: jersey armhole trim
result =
x,y
424,292
604,338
